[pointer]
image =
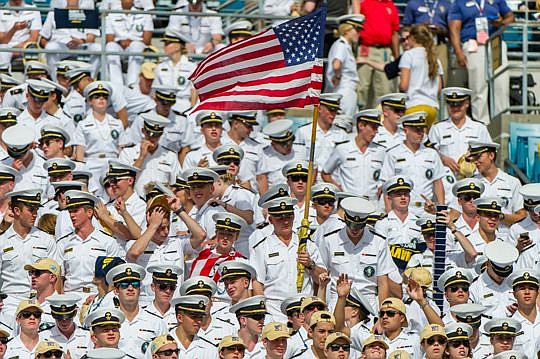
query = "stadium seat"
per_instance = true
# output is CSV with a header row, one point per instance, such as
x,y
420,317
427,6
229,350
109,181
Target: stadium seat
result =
x,y
518,144
533,162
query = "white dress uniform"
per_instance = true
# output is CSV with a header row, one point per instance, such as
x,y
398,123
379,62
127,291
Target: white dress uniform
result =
x,y
16,349
78,258
325,142
423,166
8,18
135,206
364,262
199,348
456,255
276,267
127,27
192,158
272,162
252,154
407,341
32,176
358,172
505,187
17,252
100,140
398,232
198,29
217,329
77,344
245,200
387,139
341,50
258,352
169,318
530,257
74,105
16,96
453,141
177,76
331,224
495,297
37,123
203,216
160,166
142,329
57,40
359,333
172,251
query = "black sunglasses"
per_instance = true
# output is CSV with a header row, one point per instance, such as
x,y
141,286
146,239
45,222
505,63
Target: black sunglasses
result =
x,y
4,340
388,313
168,352
440,340
257,317
458,343
336,347
228,161
325,201
319,307
468,197
163,286
455,288
298,178
236,348
27,314
52,353
36,272
167,102
125,285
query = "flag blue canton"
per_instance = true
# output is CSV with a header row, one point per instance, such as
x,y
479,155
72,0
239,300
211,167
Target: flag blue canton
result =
x,y
302,39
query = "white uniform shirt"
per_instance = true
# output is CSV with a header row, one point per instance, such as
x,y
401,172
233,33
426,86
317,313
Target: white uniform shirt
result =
x,y
297,343
143,328
77,344
74,105
198,348
341,50
128,26
423,167
51,33
203,216
397,232
32,176
358,172
252,154
169,318
135,206
387,139
199,29
10,17
531,331
177,76
530,257
364,262
37,123
16,349
217,329
332,223
408,341
491,295
325,142
98,137
276,267
192,158
453,141
78,258
16,252
272,162
245,200
160,166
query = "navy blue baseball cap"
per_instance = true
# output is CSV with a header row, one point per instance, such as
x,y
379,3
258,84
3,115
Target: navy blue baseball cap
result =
x,y
105,264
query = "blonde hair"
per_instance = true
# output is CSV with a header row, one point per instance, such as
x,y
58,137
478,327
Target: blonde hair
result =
x,y
47,223
343,28
422,36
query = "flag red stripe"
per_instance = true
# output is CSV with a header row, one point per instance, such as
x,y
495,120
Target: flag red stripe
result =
x,y
248,106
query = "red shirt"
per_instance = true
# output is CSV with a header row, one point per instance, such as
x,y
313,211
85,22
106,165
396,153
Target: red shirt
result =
x,y
382,19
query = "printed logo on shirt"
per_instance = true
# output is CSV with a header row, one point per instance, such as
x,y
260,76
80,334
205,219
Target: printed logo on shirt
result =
x,y
369,271
429,173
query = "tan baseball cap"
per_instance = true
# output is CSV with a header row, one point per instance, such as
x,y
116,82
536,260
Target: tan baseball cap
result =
x,y
47,345
322,317
432,330
160,341
307,301
47,264
374,338
229,341
147,70
25,304
399,354
336,336
395,304
275,330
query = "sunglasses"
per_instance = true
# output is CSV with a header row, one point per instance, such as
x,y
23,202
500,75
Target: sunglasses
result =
x,y
52,353
325,201
4,340
227,162
164,287
319,307
168,352
298,178
355,226
455,288
27,314
468,197
458,343
167,103
337,347
388,313
235,348
125,285
440,340
36,272
257,317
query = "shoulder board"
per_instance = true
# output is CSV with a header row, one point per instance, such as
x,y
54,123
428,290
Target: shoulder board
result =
x,y
330,233
299,353
254,140
247,189
50,114
342,220
378,144
219,310
43,157
64,112
67,235
408,301
475,279
167,149
129,145
265,147
521,220
7,326
377,234
110,202
144,111
142,198
178,113
394,146
262,240
342,142
154,314
477,121
262,225
49,200
429,144
105,233
41,230
193,149
16,91
83,328
209,342
304,125
228,321
139,8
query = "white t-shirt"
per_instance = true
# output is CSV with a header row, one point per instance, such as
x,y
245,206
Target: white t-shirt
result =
x,y
422,90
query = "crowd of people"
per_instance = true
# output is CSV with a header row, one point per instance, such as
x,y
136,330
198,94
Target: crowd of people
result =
x,y
132,228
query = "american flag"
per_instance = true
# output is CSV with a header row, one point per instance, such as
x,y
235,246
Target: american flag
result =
x,y
279,68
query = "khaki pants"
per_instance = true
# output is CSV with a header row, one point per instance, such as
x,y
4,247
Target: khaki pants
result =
x,y
373,83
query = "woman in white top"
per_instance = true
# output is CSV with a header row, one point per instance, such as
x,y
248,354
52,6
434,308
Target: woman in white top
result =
x,y
421,73
97,137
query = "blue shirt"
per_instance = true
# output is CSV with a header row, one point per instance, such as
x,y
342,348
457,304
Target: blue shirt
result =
x,y
418,12
468,10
